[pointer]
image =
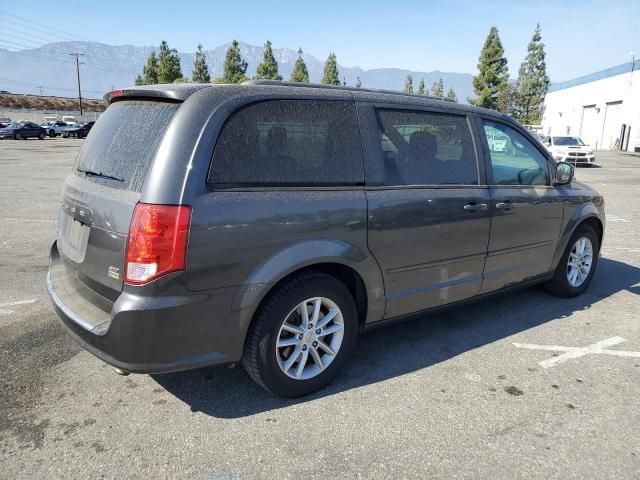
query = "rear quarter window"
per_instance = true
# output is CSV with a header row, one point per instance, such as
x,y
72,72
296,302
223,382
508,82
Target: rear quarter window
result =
x,y
289,143
124,141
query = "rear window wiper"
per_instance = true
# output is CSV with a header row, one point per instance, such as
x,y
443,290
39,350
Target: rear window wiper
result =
x,y
100,174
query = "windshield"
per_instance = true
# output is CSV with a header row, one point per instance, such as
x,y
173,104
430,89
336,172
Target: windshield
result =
x,y
124,141
567,141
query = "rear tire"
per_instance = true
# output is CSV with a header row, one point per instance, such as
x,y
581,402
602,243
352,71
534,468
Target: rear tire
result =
x,y
19,137
52,133
569,279
266,358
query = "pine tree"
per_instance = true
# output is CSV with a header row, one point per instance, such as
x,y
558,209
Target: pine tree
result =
x,y
493,73
507,101
437,89
421,88
300,72
235,67
451,95
149,71
408,84
268,69
330,74
533,81
358,82
168,64
200,72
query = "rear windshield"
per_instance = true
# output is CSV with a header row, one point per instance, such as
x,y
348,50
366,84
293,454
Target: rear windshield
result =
x,y
123,142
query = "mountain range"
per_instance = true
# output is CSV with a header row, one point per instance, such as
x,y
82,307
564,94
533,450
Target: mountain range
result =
x,y
105,67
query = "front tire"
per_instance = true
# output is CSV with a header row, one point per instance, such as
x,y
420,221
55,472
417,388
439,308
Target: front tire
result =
x,y
577,264
302,335
19,137
41,136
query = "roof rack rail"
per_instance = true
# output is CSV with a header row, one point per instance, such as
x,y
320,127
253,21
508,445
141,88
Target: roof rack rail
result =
x,y
280,83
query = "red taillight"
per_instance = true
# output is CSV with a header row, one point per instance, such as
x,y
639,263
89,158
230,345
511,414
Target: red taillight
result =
x,y
116,93
157,242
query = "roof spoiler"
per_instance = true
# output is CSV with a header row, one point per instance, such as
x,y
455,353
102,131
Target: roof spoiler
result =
x,y
171,92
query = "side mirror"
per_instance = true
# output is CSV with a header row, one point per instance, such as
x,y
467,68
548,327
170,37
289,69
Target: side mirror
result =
x,y
564,173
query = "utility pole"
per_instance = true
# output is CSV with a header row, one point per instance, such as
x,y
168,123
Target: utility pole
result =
x,y
78,55
40,88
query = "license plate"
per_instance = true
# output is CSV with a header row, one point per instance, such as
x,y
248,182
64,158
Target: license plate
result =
x,y
75,234
74,238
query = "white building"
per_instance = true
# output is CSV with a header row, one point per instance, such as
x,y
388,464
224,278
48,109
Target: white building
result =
x,y
602,108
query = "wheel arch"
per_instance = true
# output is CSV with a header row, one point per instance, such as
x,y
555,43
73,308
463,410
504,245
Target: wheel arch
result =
x,y
587,214
348,263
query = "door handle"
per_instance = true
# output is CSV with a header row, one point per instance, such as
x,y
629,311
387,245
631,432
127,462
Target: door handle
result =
x,y
506,205
474,207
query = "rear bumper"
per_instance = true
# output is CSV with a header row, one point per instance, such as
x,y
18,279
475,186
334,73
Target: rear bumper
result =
x,y
149,334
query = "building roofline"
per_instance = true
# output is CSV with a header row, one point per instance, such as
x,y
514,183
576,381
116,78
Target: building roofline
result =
x,y
621,69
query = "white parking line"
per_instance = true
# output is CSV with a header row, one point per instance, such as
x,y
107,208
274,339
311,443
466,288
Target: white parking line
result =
x,y
616,219
3,311
597,348
28,220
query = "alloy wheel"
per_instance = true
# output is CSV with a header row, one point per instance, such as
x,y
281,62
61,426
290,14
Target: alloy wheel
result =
x,y
579,262
310,338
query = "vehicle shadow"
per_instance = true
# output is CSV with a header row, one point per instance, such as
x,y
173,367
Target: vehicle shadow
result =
x,y
404,347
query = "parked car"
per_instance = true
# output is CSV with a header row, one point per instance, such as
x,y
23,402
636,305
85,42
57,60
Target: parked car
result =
x,y
498,142
54,128
78,131
571,150
69,119
22,131
271,223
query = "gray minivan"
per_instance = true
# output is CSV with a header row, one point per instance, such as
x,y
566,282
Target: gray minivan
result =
x,y
271,223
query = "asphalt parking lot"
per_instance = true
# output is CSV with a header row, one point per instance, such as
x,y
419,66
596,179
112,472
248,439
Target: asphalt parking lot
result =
x,y
493,390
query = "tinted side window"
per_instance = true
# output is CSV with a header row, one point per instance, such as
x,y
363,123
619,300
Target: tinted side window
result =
x,y
514,159
289,142
425,148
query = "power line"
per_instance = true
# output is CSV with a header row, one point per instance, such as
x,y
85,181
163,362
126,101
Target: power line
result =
x,y
54,38
11,35
22,30
103,66
36,53
103,63
106,61
45,26
50,87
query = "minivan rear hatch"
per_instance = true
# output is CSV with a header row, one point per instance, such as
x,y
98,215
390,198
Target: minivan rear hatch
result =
x,y
100,195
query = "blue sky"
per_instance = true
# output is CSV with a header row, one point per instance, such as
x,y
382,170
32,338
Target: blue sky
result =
x,y
581,36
